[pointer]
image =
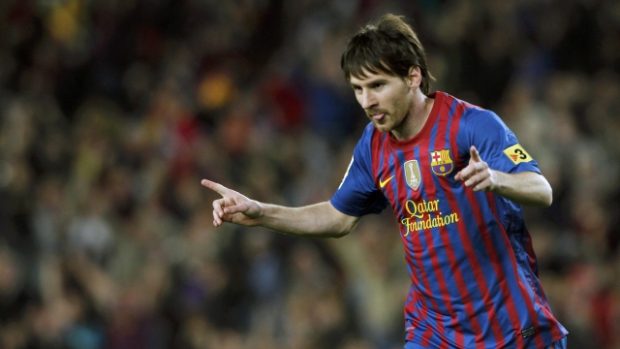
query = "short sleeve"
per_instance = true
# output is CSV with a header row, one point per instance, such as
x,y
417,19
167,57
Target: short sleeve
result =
x,y
358,195
497,144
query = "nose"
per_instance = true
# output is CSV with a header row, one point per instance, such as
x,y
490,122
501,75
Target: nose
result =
x,y
367,99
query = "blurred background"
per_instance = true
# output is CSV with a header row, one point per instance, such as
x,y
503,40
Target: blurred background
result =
x,y
111,111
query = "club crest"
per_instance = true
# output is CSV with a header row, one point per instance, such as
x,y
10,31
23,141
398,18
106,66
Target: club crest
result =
x,y
441,162
413,174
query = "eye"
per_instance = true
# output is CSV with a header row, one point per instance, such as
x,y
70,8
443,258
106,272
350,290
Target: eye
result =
x,y
376,85
357,89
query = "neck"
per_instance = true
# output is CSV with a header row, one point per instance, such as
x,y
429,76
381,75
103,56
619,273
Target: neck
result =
x,y
419,110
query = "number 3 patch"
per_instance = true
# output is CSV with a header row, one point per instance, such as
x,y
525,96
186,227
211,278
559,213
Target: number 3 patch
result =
x,y
517,154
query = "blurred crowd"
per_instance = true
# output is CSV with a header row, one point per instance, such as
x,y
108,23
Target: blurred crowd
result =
x,y
111,111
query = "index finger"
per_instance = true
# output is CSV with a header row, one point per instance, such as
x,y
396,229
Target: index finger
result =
x,y
474,154
216,187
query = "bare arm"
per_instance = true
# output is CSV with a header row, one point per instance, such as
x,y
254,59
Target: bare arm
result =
x,y
317,220
528,188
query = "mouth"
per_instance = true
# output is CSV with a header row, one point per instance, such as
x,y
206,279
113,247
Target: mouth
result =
x,y
377,117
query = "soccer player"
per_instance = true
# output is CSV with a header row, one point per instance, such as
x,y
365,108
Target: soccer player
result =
x,y
454,176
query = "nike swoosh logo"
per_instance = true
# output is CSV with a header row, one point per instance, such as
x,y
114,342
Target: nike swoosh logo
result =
x,y
383,183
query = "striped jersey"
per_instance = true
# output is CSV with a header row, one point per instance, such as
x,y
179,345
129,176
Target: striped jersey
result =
x,y
474,279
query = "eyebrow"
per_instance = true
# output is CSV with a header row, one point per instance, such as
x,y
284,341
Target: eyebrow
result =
x,y
370,82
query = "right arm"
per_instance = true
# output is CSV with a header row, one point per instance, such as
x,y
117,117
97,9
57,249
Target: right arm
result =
x,y
317,220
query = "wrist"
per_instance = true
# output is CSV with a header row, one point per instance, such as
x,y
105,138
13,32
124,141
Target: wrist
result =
x,y
498,182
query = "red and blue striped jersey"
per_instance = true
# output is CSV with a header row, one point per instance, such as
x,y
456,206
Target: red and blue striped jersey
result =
x,y
474,280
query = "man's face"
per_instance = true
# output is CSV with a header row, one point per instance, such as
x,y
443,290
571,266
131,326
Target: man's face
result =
x,y
385,98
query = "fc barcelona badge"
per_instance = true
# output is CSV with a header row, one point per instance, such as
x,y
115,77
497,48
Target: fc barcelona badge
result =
x,y
441,163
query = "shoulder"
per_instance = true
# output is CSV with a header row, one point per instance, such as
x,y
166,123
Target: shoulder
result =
x,y
475,122
474,117
453,106
369,131
368,134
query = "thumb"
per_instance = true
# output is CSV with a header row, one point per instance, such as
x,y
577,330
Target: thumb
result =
x,y
474,155
247,207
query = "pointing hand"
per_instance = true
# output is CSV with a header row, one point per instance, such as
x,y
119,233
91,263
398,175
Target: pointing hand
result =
x,y
477,174
232,206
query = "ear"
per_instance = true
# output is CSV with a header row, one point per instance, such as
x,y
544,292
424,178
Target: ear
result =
x,y
414,77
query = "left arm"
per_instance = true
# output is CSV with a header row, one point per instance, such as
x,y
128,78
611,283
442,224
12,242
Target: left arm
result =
x,y
528,188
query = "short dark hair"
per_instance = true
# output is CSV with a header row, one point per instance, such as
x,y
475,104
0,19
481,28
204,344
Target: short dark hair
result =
x,y
389,46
